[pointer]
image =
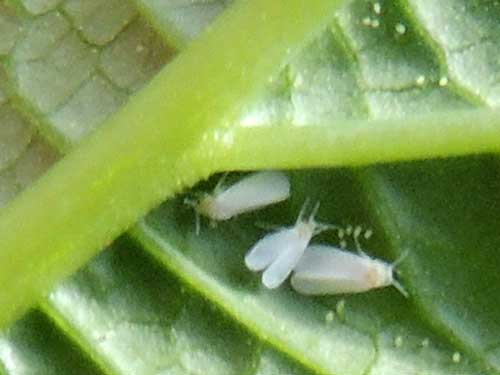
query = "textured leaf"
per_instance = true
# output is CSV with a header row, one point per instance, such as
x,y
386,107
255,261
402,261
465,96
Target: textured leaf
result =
x,y
172,302
131,170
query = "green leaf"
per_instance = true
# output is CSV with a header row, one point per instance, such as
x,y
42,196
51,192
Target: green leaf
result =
x,y
186,303
381,329
92,182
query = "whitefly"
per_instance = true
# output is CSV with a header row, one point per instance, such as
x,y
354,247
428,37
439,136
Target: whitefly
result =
x,y
278,253
252,192
325,269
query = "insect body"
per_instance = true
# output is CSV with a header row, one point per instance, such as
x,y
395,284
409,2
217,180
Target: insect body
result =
x,y
278,253
250,193
328,270
255,191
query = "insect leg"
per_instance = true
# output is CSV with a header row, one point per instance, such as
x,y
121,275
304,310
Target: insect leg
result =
x,y
356,234
300,218
400,288
401,258
222,179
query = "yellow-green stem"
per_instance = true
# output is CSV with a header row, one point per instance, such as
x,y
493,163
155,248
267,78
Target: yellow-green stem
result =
x,y
141,155
361,142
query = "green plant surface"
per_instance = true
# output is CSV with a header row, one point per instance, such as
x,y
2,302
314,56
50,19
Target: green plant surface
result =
x,y
136,307
362,92
35,346
118,190
181,22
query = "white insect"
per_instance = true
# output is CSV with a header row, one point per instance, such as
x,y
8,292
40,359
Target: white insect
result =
x,y
279,252
252,192
326,269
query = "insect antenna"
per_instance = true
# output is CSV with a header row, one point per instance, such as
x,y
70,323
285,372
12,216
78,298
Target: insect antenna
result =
x,y
400,288
220,183
314,212
318,226
394,265
302,211
401,258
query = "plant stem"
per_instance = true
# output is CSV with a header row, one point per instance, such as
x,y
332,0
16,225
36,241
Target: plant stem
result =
x,y
348,142
141,155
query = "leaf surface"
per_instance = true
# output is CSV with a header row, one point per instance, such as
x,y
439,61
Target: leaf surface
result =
x,y
186,302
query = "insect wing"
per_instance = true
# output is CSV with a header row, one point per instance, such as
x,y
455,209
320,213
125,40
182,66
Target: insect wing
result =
x,y
291,251
252,192
328,270
267,250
